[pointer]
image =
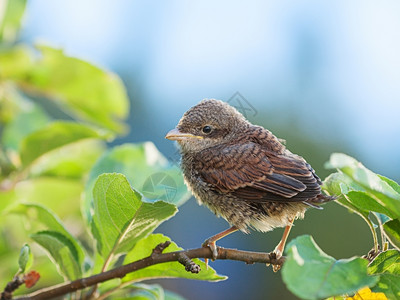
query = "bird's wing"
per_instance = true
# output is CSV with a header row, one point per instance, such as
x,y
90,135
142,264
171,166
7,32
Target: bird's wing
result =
x,y
252,173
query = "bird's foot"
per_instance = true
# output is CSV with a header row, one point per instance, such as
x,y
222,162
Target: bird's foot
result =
x,y
208,243
274,256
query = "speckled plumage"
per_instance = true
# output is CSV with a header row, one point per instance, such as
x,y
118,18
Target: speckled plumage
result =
x,y
242,172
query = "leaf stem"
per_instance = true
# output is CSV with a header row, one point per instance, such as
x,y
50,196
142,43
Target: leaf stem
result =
x,y
370,225
374,235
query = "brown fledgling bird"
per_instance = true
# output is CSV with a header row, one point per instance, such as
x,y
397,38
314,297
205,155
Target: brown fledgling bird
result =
x,y
243,172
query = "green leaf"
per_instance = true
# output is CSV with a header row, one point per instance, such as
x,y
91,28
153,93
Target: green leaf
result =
x,y
30,118
53,136
340,184
71,161
25,259
64,253
166,270
363,201
7,199
168,295
386,262
146,168
11,17
120,218
338,298
78,87
142,291
391,182
392,232
388,284
332,183
378,188
15,62
311,274
358,198
382,218
147,291
353,196
340,161
39,215
87,91
58,194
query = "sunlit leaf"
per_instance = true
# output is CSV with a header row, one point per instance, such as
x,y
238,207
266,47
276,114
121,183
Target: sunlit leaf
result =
x,y
391,182
166,270
340,184
30,118
141,291
80,89
388,284
86,90
120,218
333,181
39,215
311,274
58,194
363,201
70,161
364,195
62,251
146,291
340,161
7,198
146,168
11,19
386,262
392,232
381,189
15,62
53,136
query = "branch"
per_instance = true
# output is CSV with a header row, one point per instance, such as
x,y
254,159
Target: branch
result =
x,y
11,287
29,279
157,257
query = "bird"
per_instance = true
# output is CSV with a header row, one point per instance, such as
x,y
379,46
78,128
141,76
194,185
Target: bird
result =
x,y
243,172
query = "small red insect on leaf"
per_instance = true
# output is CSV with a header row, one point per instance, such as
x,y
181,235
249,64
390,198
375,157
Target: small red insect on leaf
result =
x,y
31,278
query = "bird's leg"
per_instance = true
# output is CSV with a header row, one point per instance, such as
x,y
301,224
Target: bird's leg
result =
x,y
210,242
281,246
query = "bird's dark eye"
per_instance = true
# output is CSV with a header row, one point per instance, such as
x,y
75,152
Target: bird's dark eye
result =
x,y
207,129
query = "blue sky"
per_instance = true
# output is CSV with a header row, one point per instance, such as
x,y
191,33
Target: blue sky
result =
x,y
335,65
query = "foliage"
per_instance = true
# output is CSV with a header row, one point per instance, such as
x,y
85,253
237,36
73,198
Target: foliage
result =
x,y
57,113
311,274
91,208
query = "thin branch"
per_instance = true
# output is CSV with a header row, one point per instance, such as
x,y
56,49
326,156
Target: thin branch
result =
x,y
155,258
160,248
11,287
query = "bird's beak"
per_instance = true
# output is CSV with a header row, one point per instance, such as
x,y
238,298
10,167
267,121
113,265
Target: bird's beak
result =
x,y
176,135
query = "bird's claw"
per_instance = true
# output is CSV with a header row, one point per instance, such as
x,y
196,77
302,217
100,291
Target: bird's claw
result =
x,y
274,256
213,247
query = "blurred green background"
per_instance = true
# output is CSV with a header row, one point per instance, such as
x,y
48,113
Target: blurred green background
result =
x,y
323,76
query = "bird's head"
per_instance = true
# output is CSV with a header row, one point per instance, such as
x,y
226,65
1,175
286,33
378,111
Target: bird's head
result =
x,y
209,123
